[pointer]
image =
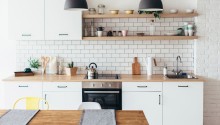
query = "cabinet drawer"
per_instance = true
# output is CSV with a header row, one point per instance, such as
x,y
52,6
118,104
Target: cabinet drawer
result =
x,y
62,86
23,86
141,86
183,85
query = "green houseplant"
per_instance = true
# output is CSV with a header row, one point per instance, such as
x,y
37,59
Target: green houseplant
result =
x,y
155,13
34,63
71,70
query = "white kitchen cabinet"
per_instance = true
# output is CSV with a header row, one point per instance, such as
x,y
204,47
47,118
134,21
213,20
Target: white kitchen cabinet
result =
x,y
26,19
146,97
182,103
63,95
61,24
14,91
63,100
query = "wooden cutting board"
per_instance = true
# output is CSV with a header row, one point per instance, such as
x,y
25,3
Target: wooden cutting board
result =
x,y
136,69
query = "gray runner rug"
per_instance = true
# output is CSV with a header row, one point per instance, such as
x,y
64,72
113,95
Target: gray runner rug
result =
x,y
17,117
98,117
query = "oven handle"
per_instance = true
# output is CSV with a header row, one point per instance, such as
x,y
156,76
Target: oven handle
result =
x,y
101,92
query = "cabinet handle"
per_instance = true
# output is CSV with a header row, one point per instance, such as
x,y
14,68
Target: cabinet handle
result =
x,y
142,86
26,35
20,86
183,86
159,99
61,86
45,97
63,34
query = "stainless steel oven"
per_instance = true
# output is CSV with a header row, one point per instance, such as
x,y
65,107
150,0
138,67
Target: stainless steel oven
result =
x,y
107,94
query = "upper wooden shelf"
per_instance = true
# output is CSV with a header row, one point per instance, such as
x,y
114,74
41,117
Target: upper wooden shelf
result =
x,y
165,15
129,38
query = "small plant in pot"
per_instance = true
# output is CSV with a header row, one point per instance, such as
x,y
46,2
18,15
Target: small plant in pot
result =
x,y
34,64
71,70
155,13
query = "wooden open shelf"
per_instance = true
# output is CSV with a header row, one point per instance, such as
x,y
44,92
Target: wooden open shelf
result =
x,y
165,15
130,38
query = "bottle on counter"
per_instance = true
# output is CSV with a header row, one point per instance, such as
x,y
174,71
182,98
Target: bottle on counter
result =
x,y
165,71
60,68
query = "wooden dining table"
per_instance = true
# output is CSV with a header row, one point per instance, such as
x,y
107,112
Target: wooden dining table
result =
x,y
72,117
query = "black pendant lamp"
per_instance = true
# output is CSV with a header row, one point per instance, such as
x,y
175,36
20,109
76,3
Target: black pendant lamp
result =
x,y
75,5
151,5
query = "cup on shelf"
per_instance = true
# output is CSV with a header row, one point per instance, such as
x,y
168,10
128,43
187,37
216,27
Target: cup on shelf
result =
x,y
173,11
99,33
190,29
124,32
186,28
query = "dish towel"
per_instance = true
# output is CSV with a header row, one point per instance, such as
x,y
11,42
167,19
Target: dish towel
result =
x,y
98,117
17,117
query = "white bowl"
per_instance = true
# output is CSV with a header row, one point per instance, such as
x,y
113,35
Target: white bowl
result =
x,y
173,11
189,10
170,34
114,11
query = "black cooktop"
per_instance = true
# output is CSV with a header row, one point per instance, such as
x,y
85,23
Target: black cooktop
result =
x,y
106,76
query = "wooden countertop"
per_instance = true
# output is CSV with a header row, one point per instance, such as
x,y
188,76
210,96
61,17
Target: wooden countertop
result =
x,y
80,78
72,117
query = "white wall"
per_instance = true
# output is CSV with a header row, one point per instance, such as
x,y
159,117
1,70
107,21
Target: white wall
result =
x,y
133,4
7,48
208,57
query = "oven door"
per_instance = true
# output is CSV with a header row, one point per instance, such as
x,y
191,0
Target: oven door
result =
x,y
107,98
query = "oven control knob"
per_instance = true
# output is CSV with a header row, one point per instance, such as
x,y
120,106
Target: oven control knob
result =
x,y
110,85
93,85
101,85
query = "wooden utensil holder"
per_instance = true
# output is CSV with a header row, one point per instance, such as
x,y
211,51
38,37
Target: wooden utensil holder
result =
x,y
71,71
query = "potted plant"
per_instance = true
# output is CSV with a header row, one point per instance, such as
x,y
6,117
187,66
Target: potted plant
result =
x,y
155,13
34,64
71,70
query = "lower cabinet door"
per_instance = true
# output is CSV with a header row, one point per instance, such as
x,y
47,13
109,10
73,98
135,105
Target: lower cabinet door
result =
x,y
14,91
182,103
149,102
63,100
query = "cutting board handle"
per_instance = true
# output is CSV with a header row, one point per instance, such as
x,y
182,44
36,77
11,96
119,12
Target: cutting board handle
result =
x,y
135,59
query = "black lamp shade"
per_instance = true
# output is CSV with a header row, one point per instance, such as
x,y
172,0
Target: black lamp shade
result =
x,y
75,5
151,5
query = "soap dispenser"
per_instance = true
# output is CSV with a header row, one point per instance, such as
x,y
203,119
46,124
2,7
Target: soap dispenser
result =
x,y
165,70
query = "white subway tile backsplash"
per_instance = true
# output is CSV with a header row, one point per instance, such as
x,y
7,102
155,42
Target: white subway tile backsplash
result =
x,y
165,24
134,20
115,56
143,20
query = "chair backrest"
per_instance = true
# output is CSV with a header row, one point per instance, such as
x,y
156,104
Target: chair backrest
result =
x,y
32,103
89,105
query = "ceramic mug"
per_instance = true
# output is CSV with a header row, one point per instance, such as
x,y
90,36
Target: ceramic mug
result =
x,y
99,33
190,30
124,32
186,28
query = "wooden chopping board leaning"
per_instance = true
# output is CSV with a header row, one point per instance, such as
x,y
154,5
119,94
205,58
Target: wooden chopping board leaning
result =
x,y
136,67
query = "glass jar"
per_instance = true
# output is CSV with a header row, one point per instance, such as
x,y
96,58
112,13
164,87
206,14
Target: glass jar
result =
x,y
114,33
92,11
119,33
101,9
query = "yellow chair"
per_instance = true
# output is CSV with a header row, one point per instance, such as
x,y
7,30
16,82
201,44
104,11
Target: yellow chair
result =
x,y
32,103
